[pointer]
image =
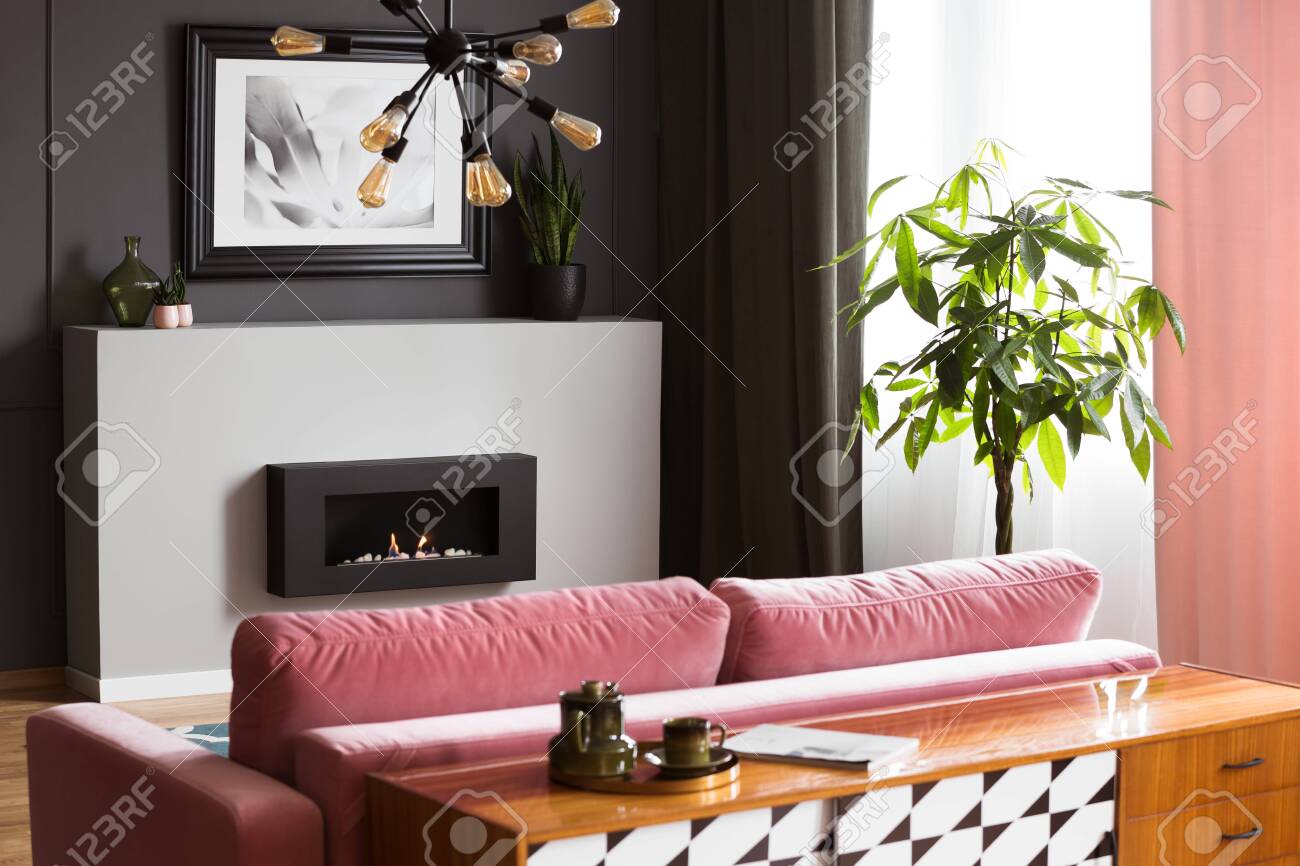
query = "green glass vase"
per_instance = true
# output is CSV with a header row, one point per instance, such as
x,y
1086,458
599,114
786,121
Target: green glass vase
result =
x,y
130,287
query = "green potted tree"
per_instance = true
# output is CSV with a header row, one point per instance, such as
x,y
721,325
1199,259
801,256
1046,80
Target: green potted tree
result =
x,y
1038,327
170,307
550,211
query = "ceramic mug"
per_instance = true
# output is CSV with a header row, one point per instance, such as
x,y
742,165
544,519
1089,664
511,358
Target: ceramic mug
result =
x,y
687,741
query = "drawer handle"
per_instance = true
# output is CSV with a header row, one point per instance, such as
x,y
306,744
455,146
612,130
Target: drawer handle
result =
x,y
1244,765
1249,834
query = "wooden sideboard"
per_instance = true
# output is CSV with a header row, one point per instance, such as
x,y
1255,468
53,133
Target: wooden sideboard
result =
x,y
1178,767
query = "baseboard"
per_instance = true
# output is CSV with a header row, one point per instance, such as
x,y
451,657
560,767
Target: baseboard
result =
x,y
117,689
30,678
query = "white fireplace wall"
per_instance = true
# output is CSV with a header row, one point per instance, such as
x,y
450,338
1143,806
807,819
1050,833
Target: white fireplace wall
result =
x,y
156,591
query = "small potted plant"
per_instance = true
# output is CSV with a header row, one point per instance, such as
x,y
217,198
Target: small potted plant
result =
x,y
550,207
170,309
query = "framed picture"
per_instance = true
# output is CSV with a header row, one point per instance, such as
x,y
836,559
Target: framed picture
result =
x,y
273,163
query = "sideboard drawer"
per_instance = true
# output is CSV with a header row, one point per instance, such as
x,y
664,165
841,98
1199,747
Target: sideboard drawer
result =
x,y
1194,835
1157,778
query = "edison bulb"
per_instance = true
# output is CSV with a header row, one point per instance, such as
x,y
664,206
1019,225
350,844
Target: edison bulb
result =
x,y
598,13
515,72
292,42
373,191
583,133
485,185
384,130
544,50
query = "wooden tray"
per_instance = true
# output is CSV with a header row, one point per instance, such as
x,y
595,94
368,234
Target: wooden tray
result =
x,y
646,779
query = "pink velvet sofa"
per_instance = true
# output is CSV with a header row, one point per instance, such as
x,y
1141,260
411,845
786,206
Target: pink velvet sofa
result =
x,y
320,700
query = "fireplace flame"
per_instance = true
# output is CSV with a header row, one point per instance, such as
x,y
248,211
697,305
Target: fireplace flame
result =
x,y
421,543
392,544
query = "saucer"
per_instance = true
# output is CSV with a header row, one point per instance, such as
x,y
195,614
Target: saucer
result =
x,y
718,757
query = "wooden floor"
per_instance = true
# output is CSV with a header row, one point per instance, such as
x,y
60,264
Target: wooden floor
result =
x,y
18,703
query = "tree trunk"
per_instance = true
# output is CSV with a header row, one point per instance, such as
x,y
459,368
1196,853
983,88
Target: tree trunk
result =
x,y
1004,480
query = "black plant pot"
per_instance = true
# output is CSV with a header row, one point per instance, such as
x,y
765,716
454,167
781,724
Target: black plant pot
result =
x,y
558,291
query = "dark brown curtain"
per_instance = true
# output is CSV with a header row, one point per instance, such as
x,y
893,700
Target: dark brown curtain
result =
x,y
756,363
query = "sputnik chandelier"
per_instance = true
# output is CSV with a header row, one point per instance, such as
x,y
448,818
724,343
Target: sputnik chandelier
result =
x,y
502,58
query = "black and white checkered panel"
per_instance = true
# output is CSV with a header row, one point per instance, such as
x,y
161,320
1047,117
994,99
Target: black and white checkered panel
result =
x,y
782,836
1048,814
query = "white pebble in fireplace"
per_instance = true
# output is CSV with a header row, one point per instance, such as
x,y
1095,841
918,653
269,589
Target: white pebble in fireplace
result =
x,y
397,555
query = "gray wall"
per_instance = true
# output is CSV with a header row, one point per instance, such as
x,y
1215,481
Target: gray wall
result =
x,y
120,182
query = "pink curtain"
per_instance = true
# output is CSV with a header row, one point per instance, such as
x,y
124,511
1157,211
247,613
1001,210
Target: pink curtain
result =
x,y
1226,77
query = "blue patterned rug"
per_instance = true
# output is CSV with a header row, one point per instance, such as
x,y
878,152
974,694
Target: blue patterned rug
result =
x,y
214,738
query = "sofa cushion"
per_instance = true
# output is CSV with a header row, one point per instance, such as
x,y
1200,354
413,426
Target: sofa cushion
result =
x,y
332,763
782,628
297,671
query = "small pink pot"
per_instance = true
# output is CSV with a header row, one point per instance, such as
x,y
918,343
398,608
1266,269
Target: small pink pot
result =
x,y
166,317
186,312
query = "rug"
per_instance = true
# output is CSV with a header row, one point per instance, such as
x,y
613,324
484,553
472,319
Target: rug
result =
x,y
214,738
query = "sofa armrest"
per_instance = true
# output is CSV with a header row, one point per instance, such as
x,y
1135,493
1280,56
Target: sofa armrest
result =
x,y
103,781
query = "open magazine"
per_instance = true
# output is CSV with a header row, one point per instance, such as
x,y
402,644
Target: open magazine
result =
x,y
821,747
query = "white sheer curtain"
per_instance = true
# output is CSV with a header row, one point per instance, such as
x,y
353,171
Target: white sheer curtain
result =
x,y
1068,85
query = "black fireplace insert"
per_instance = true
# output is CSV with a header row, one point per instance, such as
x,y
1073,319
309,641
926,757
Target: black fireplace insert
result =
x,y
372,525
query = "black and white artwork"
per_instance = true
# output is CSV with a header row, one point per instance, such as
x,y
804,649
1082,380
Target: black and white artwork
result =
x,y
277,161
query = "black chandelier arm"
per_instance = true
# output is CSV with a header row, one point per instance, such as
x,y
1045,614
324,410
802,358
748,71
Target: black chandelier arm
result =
x,y
536,28
433,31
467,116
420,88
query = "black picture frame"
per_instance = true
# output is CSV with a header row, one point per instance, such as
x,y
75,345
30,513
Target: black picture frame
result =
x,y
203,260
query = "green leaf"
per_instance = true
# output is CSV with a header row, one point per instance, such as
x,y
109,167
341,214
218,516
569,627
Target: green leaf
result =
x,y
955,429
870,269
909,269
1087,229
1067,289
905,385
1175,321
952,380
870,407
1140,195
988,246
1151,313
852,251
871,300
1126,425
1005,424
1080,253
1134,404
1095,419
1041,295
1027,437
926,431
1031,253
910,443
1155,423
1068,182
995,360
979,406
1141,454
1052,453
1074,429
893,428
1026,479
880,190
940,230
